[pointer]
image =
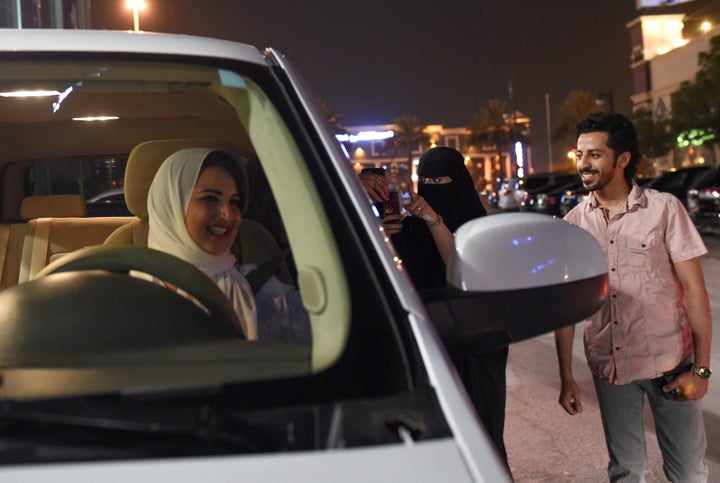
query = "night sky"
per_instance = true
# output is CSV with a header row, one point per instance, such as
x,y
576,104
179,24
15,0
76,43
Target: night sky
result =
x,y
374,60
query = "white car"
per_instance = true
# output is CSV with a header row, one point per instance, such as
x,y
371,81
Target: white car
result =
x,y
510,194
107,377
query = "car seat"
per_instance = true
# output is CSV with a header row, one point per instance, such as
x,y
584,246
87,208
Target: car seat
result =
x,y
13,235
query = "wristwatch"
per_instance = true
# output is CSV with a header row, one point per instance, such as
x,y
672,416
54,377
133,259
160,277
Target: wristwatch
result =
x,y
703,372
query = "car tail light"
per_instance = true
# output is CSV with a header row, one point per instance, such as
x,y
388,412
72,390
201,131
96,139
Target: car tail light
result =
x,y
710,193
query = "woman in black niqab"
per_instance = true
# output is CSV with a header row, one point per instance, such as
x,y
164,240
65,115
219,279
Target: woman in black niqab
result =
x,y
457,202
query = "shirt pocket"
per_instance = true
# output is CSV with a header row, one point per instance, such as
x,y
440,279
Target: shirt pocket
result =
x,y
643,250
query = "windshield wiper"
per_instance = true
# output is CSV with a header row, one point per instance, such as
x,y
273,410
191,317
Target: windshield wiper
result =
x,y
111,429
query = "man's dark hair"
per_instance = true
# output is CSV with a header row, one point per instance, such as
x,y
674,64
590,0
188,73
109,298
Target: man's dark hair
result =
x,y
621,136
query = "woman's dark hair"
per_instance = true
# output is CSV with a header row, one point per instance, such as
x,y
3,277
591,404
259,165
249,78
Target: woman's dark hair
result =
x,y
223,160
621,136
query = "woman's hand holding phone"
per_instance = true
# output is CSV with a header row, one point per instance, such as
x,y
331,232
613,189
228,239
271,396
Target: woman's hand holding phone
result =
x,y
375,183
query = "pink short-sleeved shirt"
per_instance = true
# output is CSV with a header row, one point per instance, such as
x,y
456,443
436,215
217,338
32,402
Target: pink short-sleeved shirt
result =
x,y
643,329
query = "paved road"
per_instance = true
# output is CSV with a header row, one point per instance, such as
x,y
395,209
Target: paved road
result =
x,y
546,445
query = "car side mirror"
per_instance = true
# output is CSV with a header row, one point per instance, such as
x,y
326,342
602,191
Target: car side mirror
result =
x,y
513,276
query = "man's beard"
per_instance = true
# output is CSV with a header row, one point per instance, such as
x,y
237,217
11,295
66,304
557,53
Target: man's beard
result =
x,y
600,181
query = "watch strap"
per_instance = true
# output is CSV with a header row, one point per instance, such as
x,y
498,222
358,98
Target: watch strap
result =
x,y
703,372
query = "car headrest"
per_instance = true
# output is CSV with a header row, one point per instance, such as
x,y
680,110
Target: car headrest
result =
x,y
52,206
145,159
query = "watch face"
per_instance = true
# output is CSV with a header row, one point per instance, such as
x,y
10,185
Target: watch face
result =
x,y
703,372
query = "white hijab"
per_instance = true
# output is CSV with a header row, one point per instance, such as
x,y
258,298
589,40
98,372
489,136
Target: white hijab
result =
x,y
167,203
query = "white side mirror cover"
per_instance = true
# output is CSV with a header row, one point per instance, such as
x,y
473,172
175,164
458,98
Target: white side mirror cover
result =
x,y
511,251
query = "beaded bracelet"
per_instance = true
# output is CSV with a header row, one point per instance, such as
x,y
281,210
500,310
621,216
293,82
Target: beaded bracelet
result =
x,y
437,221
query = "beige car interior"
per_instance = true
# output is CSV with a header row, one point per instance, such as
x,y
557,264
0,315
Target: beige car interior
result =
x,y
161,107
53,225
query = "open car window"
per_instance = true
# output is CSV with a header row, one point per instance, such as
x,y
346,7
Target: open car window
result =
x,y
69,124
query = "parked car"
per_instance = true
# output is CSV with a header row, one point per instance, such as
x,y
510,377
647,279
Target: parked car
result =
x,y
645,180
550,200
537,183
107,376
571,197
491,194
509,194
679,181
703,200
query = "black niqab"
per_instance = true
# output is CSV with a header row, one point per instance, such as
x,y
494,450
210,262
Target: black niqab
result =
x,y
457,202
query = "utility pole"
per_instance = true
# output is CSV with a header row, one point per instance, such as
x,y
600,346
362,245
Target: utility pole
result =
x,y
549,140
513,154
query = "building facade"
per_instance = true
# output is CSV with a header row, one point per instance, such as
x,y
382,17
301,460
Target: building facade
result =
x,y
666,39
56,14
372,146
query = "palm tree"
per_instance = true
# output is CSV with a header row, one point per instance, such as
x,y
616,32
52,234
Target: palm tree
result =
x,y
332,116
578,104
409,134
491,125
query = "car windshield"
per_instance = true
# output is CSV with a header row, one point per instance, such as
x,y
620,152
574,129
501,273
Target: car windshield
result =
x,y
70,128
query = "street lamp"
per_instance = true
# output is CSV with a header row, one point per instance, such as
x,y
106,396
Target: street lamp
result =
x,y
136,6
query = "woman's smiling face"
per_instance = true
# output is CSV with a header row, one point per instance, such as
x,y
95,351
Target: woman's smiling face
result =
x,y
213,214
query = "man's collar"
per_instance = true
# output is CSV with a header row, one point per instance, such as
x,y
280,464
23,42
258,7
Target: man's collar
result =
x,y
636,197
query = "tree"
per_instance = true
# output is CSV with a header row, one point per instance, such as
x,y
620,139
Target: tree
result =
x,y
578,104
654,136
495,124
332,116
490,126
696,105
409,133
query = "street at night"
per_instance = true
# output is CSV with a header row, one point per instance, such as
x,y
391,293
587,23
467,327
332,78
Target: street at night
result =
x,y
247,240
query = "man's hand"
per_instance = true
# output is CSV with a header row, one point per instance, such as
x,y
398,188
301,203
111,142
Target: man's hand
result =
x,y
570,397
692,387
569,390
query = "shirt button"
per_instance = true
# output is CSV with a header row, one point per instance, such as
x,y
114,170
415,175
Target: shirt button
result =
x,y
611,242
617,348
614,296
612,269
615,322
643,245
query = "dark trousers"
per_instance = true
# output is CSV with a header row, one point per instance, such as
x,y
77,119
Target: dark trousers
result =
x,y
484,379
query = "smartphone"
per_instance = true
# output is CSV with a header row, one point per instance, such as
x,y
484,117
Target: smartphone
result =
x,y
378,207
392,205
377,171
663,380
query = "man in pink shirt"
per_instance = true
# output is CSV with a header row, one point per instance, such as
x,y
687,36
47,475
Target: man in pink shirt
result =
x,y
657,318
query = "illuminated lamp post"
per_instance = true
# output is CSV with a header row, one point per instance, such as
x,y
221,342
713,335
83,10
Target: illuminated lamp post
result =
x,y
136,6
572,156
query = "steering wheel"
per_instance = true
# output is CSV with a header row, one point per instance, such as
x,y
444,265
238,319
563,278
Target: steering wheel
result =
x,y
162,265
